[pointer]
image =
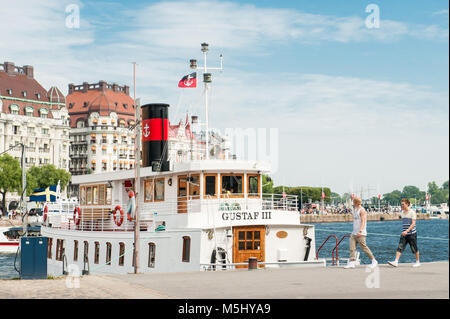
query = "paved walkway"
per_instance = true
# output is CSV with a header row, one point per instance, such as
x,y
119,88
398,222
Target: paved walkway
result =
x,y
429,281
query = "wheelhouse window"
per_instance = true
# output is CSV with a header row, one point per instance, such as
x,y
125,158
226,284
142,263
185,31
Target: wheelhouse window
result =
x,y
108,253
232,185
253,185
151,255
96,252
121,254
148,190
194,186
95,195
75,250
159,189
186,249
210,182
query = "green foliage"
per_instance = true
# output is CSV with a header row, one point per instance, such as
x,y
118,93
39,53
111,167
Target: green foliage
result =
x,y
267,184
415,195
10,176
47,175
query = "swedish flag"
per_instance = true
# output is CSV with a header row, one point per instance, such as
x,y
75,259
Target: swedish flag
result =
x,y
44,194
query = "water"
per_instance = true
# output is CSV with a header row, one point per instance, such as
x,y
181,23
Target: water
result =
x,y
382,246
383,238
7,270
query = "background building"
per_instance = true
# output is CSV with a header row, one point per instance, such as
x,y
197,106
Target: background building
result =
x,y
33,116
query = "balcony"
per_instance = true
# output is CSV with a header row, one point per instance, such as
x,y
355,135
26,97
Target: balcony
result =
x,y
44,150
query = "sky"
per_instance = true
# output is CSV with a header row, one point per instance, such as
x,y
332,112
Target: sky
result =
x,y
355,105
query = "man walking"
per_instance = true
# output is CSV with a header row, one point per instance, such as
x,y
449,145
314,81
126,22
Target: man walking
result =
x,y
359,234
409,234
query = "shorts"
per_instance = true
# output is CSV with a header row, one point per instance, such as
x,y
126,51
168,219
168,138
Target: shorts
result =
x,y
408,239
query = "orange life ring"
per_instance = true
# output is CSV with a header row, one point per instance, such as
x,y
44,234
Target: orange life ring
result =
x,y
45,212
118,220
77,215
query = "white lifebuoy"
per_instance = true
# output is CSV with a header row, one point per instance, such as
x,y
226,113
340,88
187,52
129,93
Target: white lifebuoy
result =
x,y
118,220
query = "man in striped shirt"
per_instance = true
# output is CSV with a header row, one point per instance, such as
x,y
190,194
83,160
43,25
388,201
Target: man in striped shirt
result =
x,y
409,234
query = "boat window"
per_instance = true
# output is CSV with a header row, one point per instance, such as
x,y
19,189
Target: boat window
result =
x,y
249,240
253,185
121,254
182,190
82,195
89,195
232,185
186,249
108,253
94,195
194,186
151,255
101,194
59,249
148,190
86,250
108,195
159,189
96,252
49,248
210,185
75,250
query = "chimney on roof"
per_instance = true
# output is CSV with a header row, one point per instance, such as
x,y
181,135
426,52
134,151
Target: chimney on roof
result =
x,y
71,86
9,68
127,89
29,71
115,87
102,86
85,87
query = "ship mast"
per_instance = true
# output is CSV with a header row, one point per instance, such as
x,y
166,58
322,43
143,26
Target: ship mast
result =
x,y
207,80
137,166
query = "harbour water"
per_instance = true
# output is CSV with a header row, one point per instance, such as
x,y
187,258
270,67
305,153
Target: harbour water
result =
x,y
382,239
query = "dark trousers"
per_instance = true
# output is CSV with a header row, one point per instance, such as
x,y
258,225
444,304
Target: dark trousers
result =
x,y
408,239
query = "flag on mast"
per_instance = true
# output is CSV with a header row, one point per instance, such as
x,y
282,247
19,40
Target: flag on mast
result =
x,y
188,81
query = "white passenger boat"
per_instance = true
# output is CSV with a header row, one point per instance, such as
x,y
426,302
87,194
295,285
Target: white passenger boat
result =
x,y
9,241
194,215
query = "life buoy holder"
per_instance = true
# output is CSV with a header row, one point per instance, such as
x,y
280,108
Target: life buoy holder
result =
x,y
118,220
45,212
77,215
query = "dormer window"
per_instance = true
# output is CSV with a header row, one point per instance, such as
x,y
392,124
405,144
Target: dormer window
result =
x,y
24,93
85,104
70,105
38,95
9,91
125,105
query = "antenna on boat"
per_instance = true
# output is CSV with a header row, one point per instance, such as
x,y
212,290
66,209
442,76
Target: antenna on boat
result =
x,y
206,79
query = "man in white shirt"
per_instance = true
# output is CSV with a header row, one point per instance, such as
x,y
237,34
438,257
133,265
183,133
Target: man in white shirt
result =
x,y
359,234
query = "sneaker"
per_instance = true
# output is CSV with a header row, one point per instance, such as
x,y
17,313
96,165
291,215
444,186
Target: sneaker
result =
x,y
416,264
350,264
374,263
393,263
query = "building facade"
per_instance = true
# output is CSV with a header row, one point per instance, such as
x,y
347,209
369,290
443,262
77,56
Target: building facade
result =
x,y
32,116
102,137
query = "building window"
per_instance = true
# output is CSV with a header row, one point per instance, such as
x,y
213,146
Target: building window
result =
x,y
121,254
9,91
38,95
125,106
15,129
151,255
49,248
45,131
70,105
108,253
186,249
29,111
85,104
96,252
75,250
24,93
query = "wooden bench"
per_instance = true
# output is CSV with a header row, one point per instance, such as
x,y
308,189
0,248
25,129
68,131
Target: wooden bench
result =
x,y
96,214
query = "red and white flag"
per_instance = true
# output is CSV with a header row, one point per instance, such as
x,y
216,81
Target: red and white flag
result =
x,y
379,196
188,81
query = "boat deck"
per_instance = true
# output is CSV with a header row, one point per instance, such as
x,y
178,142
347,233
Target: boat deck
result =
x,y
431,280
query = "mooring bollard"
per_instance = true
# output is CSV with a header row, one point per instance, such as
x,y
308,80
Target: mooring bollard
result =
x,y
252,263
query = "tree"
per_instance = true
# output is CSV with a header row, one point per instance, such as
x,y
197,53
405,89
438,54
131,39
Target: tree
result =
x,y
10,176
267,184
393,197
45,176
438,195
